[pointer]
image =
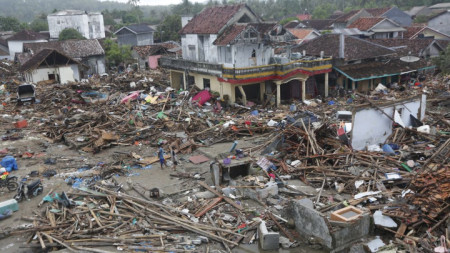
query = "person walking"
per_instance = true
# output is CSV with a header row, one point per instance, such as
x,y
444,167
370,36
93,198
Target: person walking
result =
x,y
162,161
174,158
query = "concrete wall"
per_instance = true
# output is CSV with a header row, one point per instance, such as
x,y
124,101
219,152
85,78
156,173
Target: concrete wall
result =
x,y
66,74
58,23
17,47
398,16
311,223
241,55
386,35
125,37
441,23
90,26
145,39
96,64
438,36
215,85
153,61
96,26
190,46
370,126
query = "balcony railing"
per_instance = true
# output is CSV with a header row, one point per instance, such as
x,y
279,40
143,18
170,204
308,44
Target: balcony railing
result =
x,y
280,70
199,67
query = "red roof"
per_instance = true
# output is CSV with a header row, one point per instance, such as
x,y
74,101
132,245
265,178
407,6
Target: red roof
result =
x,y
300,34
229,34
211,20
232,32
345,17
411,31
304,17
365,24
377,12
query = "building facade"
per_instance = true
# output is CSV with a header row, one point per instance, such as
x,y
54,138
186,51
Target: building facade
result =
x,y
135,35
15,42
227,49
90,25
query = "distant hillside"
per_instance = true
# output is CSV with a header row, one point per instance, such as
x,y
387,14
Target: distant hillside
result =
x,y
27,10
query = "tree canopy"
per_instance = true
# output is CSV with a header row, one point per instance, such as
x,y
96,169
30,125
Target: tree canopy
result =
x,y
116,54
443,61
69,34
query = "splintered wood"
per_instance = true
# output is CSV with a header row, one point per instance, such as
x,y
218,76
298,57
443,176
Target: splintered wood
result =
x,y
102,217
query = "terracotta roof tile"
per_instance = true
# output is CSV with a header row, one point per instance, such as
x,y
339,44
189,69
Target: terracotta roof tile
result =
x,y
3,42
355,48
229,34
318,24
38,58
26,35
211,20
365,24
232,32
3,53
378,12
345,17
411,31
73,48
301,34
148,50
304,16
404,46
394,66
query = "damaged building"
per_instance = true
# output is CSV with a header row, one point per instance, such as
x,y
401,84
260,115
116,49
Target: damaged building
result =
x,y
361,65
88,52
228,50
89,24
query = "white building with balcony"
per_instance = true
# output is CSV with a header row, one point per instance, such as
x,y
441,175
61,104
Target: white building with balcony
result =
x,y
227,49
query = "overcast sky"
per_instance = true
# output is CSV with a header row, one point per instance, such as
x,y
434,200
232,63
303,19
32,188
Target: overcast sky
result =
x,y
158,2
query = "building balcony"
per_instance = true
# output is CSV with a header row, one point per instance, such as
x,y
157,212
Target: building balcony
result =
x,y
277,71
194,66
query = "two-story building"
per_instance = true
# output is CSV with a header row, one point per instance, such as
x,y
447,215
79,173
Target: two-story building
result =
x,y
90,25
229,50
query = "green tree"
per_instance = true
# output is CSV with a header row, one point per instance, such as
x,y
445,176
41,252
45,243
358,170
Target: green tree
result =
x,y
421,19
323,11
70,33
168,29
39,23
10,24
443,61
116,54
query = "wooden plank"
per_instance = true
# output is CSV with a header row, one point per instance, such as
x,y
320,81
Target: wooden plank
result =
x,y
401,230
231,202
282,228
208,206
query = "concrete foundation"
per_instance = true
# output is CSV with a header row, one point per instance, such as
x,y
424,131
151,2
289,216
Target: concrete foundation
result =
x,y
268,240
311,223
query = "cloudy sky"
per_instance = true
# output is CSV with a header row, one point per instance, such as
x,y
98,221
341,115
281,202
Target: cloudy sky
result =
x,y
158,2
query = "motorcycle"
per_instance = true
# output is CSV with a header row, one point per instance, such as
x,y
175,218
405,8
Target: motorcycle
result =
x,y
32,190
9,182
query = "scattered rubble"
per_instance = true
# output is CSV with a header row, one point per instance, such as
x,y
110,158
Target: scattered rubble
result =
x,y
284,176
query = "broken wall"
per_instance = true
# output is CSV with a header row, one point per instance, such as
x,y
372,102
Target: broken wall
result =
x,y
371,126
